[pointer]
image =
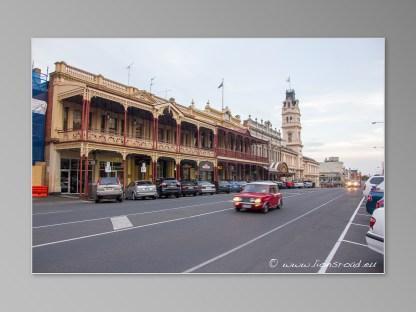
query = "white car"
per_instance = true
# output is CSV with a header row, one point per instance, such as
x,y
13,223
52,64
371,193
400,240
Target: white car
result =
x,y
372,181
375,236
299,184
307,184
206,187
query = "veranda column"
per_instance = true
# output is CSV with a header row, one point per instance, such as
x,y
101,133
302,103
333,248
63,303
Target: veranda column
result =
x,y
124,172
178,173
87,117
125,126
86,176
80,175
84,104
155,131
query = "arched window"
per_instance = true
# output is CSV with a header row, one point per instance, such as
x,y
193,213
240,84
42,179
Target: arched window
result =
x,y
287,119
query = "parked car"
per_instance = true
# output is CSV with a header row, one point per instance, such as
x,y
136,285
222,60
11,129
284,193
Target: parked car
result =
x,y
372,181
375,236
109,188
168,186
242,184
298,184
224,187
290,184
259,196
206,187
235,187
279,184
141,189
189,187
308,184
376,193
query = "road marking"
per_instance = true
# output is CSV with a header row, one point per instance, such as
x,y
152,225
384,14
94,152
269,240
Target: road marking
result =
x,y
49,212
131,214
139,213
258,237
340,239
355,243
364,214
128,229
366,225
120,222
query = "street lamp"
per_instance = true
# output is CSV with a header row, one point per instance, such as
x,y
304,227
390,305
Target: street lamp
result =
x,y
377,122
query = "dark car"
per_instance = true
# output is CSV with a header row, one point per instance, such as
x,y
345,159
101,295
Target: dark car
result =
x,y
189,187
224,187
235,187
168,186
281,184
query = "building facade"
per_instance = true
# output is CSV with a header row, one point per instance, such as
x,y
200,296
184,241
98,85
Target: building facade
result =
x,y
332,172
284,149
93,123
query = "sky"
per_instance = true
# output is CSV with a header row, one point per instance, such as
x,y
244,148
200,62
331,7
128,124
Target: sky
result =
x,y
339,82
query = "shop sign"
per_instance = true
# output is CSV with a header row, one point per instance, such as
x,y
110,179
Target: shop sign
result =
x,y
206,166
143,168
108,167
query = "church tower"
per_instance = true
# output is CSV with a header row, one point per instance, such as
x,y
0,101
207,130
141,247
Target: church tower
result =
x,y
291,126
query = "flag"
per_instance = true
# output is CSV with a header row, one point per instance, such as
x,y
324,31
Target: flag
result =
x,y
222,84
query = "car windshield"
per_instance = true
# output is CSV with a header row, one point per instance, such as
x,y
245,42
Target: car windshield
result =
x,y
256,188
143,183
188,182
376,180
108,181
203,182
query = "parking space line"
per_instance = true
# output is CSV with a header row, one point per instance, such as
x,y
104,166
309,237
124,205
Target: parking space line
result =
x,y
50,212
128,229
190,270
354,243
340,239
366,225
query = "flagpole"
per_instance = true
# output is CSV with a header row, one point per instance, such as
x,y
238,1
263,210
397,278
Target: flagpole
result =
x,y
222,98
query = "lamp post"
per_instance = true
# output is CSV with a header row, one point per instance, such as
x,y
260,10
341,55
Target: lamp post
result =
x,y
377,122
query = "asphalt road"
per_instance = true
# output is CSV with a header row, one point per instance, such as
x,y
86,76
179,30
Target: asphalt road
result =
x,y
204,234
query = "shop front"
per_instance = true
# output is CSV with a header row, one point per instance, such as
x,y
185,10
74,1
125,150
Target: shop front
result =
x,y
206,171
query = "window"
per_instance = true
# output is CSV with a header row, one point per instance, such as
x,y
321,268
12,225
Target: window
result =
x,y
76,122
289,137
65,125
90,121
103,117
112,124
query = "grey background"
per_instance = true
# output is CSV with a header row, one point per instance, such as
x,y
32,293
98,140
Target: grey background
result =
x,y
19,21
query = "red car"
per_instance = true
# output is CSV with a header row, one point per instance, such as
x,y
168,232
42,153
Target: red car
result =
x,y
259,196
290,184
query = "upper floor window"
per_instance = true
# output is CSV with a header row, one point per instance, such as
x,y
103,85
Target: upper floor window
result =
x,y
76,120
289,137
66,112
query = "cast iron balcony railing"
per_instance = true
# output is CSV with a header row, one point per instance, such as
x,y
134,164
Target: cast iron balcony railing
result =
x,y
240,155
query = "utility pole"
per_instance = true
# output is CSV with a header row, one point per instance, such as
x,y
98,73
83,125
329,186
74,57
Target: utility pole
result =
x,y
151,84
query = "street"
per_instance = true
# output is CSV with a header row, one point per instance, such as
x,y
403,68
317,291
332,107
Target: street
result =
x,y
317,230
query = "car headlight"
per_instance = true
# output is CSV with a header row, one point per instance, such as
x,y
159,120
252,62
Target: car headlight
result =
x,y
257,201
237,199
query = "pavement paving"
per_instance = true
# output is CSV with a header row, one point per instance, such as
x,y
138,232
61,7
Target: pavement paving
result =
x,y
202,234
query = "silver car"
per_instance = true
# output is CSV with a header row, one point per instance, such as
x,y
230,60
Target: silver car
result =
x,y
206,187
141,189
109,188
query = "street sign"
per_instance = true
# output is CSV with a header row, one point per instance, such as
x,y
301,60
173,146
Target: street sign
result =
x,y
143,168
108,167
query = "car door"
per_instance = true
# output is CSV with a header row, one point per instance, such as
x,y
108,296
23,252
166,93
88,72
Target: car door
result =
x,y
274,196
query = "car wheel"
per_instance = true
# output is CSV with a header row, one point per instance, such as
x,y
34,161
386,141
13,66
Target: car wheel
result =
x,y
237,209
280,206
178,195
266,208
97,200
154,197
120,198
133,196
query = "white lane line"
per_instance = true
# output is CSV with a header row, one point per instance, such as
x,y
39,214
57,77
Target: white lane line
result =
x,y
120,222
49,212
130,228
138,213
366,225
131,214
338,242
355,243
190,270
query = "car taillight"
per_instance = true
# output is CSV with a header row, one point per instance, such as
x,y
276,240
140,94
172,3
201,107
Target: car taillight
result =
x,y
380,203
372,222
369,198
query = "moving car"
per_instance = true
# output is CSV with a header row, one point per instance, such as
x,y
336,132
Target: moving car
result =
x,y
352,184
375,236
375,195
259,196
281,184
141,189
109,188
168,186
372,181
224,187
308,184
206,187
189,187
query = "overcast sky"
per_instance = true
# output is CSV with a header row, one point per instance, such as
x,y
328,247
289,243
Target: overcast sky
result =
x,y
339,82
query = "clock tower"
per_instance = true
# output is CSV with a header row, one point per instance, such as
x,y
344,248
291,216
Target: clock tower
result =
x,y
291,126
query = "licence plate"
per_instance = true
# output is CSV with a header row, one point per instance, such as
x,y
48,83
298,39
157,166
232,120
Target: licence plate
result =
x,y
246,205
